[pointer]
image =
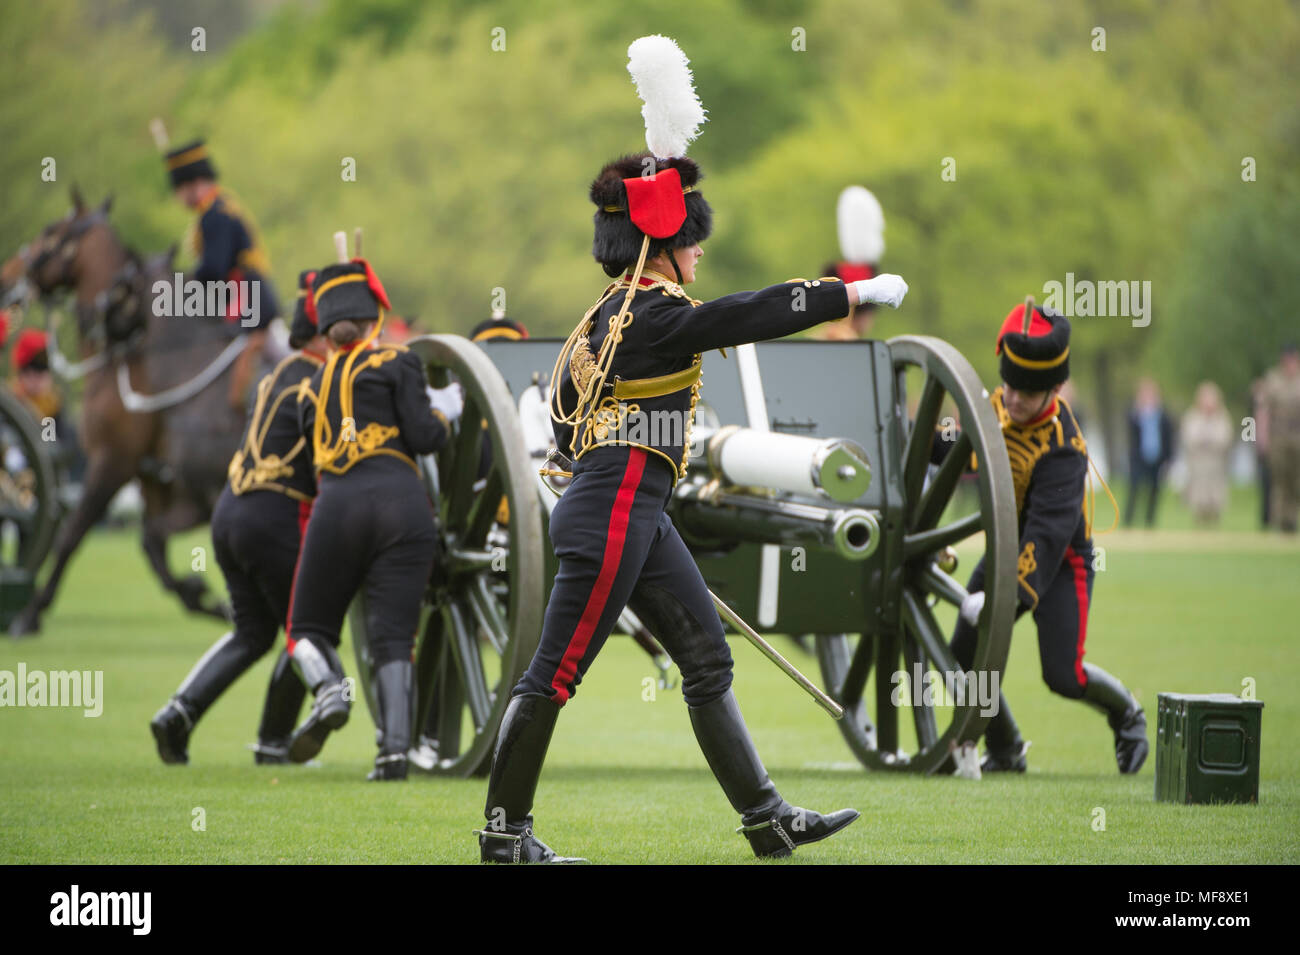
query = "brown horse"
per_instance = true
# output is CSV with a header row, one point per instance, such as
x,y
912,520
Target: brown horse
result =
x,y
180,452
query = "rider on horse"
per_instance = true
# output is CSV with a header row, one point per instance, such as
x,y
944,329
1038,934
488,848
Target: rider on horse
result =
x,y
225,241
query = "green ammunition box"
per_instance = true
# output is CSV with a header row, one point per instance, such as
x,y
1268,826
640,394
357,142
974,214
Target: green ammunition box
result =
x,y
1207,748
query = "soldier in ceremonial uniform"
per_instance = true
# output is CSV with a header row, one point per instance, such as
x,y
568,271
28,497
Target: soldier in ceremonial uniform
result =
x,y
1049,466
257,528
33,382
860,223
227,246
629,371
372,528
498,326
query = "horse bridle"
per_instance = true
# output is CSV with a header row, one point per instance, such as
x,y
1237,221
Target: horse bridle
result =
x,y
65,247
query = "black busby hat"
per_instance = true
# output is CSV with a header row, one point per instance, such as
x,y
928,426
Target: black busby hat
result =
x,y
347,291
1035,357
303,327
640,195
189,162
498,326
652,195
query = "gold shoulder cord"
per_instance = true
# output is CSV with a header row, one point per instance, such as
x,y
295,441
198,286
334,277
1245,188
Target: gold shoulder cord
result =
x,y
1090,499
576,353
327,450
267,469
589,374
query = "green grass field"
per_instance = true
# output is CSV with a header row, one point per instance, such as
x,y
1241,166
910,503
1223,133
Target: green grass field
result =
x,y
625,783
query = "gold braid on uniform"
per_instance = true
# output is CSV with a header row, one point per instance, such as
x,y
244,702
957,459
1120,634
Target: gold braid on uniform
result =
x,y
601,415
1026,565
351,445
252,470
254,257
587,371
1025,445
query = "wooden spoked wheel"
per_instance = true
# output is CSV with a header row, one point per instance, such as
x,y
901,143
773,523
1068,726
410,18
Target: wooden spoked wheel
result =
x,y
482,615
950,404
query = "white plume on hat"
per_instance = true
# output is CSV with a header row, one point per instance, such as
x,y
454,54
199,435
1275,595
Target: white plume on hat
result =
x,y
672,111
861,224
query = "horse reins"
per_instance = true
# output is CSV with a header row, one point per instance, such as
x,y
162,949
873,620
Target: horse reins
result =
x,y
132,400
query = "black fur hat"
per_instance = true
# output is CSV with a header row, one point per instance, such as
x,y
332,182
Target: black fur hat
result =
x,y
498,326
617,242
347,291
303,327
1037,359
189,162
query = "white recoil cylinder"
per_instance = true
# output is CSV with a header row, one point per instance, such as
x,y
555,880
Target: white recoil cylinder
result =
x,y
815,467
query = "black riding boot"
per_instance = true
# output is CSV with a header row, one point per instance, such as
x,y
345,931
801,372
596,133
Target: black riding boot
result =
x,y
393,691
1127,720
516,764
772,826
1004,748
224,662
322,671
284,696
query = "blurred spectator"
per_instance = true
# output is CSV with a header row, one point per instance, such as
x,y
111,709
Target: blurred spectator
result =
x,y
1150,448
1206,439
1261,452
1281,407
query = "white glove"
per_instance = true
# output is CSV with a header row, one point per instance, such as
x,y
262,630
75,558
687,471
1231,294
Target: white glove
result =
x,y
971,607
887,289
450,400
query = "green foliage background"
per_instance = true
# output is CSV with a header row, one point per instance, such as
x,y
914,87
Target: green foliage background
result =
x,y
473,164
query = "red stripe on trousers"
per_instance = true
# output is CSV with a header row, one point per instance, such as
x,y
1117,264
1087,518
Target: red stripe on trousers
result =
x,y
1081,593
614,540
304,515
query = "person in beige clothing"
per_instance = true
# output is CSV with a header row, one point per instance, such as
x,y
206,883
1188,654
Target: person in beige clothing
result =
x,y
1206,439
1281,424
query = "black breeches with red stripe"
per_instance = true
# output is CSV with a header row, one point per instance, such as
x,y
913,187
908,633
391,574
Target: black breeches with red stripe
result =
x,y
618,548
371,532
1062,621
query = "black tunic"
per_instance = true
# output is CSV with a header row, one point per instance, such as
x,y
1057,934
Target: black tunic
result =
x,y
229,249
668,332
387,404
273,455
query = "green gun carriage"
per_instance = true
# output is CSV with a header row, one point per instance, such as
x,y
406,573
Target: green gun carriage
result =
x,y
851,546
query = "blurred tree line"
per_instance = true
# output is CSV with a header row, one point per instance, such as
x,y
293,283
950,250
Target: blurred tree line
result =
x,y
476,128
